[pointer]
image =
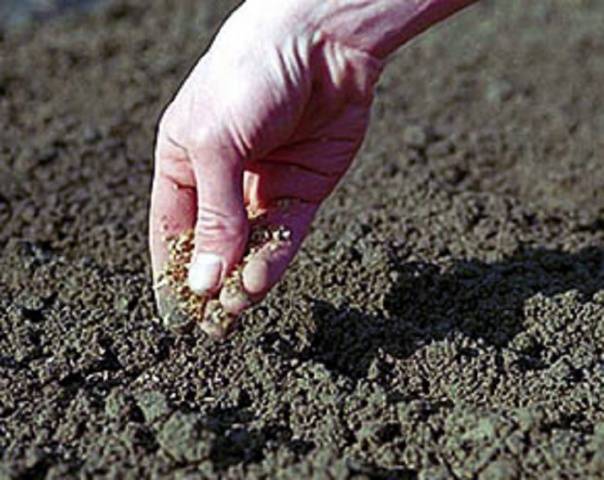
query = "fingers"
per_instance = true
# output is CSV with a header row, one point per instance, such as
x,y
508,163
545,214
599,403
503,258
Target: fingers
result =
x,y
270,181
173,210
280,232
173,199
221,228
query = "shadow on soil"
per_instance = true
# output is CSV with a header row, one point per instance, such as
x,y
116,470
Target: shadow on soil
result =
x,y
486,301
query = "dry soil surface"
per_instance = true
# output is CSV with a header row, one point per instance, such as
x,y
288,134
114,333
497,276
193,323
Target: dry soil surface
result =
x,y
445,318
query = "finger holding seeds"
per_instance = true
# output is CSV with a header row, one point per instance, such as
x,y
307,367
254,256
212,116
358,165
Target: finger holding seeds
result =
x,y
179,307
276,234
276,237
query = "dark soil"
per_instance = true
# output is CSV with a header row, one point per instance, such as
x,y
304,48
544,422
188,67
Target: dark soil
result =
x,y
22,13
444,320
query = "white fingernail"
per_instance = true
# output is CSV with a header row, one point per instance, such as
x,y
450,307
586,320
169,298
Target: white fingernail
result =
x,y
205,273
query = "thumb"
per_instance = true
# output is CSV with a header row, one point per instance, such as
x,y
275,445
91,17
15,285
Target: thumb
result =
x,y
221,229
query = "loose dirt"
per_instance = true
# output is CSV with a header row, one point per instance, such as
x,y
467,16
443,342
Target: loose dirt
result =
x,y
445,318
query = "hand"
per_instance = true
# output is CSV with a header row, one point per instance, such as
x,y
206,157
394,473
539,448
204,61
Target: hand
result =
x,y
271,112
276,110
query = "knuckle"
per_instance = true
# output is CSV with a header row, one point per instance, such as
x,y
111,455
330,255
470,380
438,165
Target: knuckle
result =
x,y
215,224
202,138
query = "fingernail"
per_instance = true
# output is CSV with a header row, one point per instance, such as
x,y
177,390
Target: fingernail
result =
x,y
256,276
205,273
218,324
234,300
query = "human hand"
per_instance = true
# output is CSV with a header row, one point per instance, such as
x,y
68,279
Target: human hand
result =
x,y
270,113
276,110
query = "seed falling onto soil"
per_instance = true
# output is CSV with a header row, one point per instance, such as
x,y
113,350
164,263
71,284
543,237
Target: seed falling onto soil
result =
x,y
207,312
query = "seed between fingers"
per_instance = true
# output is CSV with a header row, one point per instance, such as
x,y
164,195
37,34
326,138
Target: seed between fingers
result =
x,y
209,313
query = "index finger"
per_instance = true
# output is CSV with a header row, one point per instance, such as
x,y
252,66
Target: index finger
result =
x,y
173,211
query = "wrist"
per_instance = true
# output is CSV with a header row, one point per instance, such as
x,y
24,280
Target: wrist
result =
x,y
380,27
377,27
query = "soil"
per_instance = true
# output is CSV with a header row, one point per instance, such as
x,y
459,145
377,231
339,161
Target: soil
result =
x,y
19,13
445,318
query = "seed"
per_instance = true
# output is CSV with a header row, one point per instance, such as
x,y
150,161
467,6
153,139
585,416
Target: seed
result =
x,y
208,312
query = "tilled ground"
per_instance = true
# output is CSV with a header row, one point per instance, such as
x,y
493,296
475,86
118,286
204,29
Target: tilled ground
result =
x,y
444,320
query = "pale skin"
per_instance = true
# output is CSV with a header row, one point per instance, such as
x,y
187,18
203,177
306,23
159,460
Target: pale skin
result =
x,y
276,110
